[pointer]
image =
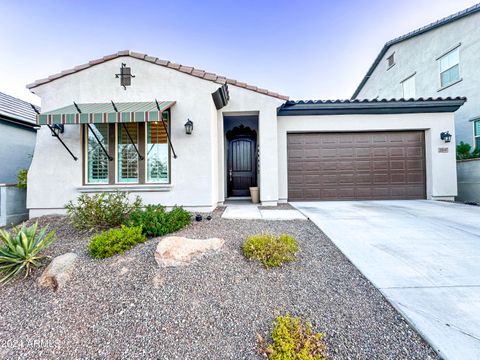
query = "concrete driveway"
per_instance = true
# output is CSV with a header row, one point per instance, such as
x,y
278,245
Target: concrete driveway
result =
x,y
424,256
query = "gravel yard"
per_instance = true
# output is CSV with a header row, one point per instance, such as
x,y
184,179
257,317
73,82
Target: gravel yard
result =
x,y
127,307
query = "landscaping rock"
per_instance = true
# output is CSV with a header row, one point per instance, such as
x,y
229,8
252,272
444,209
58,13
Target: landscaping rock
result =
x,y
179,251
58,271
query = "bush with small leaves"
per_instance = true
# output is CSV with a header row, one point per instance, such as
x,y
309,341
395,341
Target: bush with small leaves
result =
x,y
270,250
102,210
22,178
21,249
115,241
293,339
156,221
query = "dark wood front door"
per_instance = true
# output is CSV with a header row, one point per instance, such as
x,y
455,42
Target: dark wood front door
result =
x,y
241,169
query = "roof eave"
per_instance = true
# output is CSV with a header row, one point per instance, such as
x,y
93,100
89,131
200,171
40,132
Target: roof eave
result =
x,y
202,74
396,107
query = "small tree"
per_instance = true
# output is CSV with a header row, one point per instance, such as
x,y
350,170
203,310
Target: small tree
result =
x,y
464,151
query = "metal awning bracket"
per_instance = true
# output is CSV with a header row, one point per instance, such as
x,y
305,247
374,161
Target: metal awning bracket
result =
x,y
100,143
166,130
128,133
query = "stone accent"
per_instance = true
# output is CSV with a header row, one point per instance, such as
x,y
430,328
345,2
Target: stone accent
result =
x,y
58,271
179,251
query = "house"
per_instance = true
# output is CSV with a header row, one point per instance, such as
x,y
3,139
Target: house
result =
x,y
439,59
174,134
17,141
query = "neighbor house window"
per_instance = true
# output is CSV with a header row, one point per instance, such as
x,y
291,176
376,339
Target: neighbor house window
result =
x,y
127,156
390,61
97,160
408,86
476,131
157,151
449,68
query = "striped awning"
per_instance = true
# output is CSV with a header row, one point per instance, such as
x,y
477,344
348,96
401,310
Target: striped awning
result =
x,y
105,113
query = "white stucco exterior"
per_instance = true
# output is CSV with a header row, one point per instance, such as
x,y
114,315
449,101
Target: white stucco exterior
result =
x,y
198,175
440,166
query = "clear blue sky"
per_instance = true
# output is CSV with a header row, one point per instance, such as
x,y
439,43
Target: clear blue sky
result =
x,y
304,49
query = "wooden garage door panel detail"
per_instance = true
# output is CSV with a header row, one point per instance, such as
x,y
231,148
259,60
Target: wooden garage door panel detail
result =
x,y
356,166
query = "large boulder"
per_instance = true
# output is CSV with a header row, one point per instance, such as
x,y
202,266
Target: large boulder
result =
x,y
58,271
179,251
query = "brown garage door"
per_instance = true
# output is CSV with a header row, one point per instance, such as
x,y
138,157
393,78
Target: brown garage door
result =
x,y
356,166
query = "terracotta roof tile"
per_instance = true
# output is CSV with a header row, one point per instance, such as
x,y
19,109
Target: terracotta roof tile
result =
x,y
162,62
186,69
199,73
151,59
183,68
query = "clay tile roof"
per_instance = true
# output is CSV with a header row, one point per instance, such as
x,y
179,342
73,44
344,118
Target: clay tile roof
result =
x,y
183,68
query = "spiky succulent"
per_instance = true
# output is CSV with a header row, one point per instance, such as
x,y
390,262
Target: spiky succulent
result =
x,y
20,250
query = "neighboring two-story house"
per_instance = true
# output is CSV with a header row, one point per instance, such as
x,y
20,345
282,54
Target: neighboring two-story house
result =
x,y
440,59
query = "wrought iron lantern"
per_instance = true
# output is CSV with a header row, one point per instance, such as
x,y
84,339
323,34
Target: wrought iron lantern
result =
x,y
446,136
189,127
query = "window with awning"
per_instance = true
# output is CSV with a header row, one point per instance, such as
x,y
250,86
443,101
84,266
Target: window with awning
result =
x,y
123,142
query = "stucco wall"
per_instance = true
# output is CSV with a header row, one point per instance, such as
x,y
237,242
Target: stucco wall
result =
x,y
440,167
197,174
468,175
16,150
418,55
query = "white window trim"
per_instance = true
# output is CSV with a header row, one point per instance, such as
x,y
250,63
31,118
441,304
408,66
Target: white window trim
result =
x,y
440,72
408,78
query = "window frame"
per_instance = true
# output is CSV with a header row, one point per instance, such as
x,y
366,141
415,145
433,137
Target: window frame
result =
x,y
440,72
414,85
86,180
169,177
112,149
392,57
116,157
476,137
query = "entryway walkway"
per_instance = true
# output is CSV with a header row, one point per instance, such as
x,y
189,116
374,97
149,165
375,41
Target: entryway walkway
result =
x,y
424,256
249,211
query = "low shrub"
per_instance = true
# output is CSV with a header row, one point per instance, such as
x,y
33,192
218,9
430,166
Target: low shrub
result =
x,y
102,210
293,339
464,151
22,178
20,250
114,241
156,221
270,250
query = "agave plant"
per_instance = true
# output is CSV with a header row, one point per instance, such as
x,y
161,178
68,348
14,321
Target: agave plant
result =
x,y
20,250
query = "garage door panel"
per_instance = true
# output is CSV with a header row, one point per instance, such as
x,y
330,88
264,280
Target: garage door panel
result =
x,y
350,166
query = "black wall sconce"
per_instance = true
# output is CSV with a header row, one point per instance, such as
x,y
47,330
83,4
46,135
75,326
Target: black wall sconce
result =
x,y
189,127
446,136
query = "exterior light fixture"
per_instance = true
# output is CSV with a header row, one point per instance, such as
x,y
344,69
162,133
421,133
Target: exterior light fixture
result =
x,y
189,127
446,136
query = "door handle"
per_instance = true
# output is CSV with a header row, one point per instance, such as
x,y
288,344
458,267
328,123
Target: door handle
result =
x,y
230,175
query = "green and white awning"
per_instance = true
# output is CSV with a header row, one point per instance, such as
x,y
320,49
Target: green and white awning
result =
x,y
105,113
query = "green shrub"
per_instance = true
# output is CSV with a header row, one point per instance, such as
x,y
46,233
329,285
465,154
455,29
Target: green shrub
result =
x,y
20,250
22,178
464,151
114,241
294,340
155,221
102,210
270,250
